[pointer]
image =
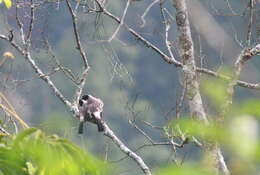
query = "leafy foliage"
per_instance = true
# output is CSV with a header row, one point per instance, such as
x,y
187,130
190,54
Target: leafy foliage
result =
x,y
8,3
32,152
189,169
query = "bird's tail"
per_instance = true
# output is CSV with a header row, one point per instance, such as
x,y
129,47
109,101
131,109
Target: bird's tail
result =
x,y
81,127
100,126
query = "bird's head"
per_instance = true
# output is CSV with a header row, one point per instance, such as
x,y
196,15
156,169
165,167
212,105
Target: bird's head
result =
x,y
85,97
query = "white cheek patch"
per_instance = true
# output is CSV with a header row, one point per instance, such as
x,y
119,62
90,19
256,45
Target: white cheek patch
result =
x,y
84,101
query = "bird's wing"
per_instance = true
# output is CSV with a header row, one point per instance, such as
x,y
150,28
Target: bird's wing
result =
x,y
95,106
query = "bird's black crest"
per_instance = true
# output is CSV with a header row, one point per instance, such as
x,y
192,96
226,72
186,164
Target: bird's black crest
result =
x,y
85,97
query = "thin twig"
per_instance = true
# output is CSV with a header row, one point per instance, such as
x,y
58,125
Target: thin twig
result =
x,y
146,11
19,23
13,113
140,38
32,16
3,130
121,21
167,28
109,133
83,54
230,8
76,33
244,84
149,145
141,131
152,126
245,55
39,72
167,59
249,30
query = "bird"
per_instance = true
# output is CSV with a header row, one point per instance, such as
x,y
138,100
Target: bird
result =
x,y
90,109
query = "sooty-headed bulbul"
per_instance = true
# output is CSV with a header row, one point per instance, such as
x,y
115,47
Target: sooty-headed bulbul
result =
x,y
90,109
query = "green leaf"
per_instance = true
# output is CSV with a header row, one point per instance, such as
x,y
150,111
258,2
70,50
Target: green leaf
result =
x,y
215,90
31,168
24,134
189,169
250,107
191,127
243,137
8,3
33,152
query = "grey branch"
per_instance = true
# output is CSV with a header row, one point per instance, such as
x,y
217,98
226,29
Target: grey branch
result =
x,y
121,21
167,28
38,71
245,55
168,59
83,54
146,11
191,82
109,133
72,106
227,78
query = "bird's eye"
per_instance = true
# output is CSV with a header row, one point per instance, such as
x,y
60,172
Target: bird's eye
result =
x,y
80,102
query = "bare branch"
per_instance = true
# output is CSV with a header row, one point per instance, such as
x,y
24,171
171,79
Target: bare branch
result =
x,y
67,72
245,55
152,126
191,82
4,131
14,114
83,78
76,33
167,28
29,35
39,72
121,21
230,8
139,37
73,107
227,78
167,59
141,131
150,145
249,30
19,23
109,133
146,11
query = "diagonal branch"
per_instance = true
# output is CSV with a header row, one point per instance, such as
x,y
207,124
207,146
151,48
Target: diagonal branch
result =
x,y
109,133
121,21
147,43
146,11
168,59
227,78
251,5
38,71
76,33
73,106
245,55
83,54
32,18
167,28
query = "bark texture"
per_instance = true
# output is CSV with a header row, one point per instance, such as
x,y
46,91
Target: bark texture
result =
x,y
191,82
